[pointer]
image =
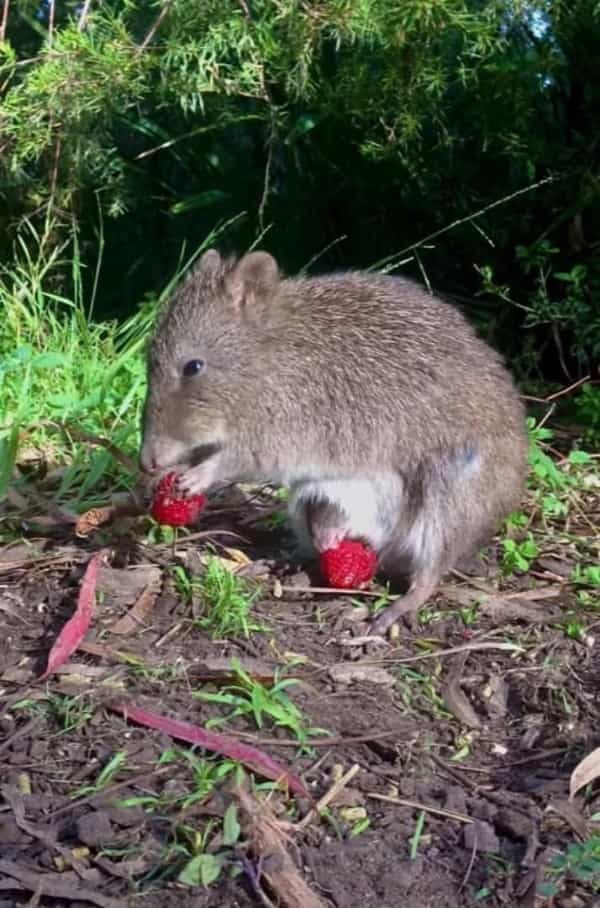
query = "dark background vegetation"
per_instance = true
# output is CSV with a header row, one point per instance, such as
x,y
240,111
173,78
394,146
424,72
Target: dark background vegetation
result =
x,y
348,130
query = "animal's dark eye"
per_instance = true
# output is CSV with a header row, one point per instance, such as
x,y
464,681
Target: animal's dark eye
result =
x,y
193,367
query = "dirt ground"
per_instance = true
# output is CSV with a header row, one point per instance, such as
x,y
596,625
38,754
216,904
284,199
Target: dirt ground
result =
x,y
469,726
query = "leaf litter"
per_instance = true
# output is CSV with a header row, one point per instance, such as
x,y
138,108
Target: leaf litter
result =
x,y
492,725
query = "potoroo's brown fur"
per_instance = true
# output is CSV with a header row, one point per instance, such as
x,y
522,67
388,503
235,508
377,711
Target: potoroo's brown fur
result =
x,y
377,403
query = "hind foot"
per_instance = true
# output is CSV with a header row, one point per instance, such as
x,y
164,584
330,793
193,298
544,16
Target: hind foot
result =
x,y
406,606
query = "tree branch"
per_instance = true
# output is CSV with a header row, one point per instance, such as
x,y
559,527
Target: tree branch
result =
x,y
85,11
4,22
156,25
51,12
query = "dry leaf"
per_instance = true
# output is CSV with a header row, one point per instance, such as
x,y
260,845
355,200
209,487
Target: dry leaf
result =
x,y
92,519
585,772
138,615
237,556
226,745
505,608
345,672
455,699
76,627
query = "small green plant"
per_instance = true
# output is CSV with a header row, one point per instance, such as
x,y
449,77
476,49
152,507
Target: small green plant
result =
x,y
69,713
586,576
420,692
105,776
205,866
575,630
468,613
580,862
428,615
516,521
377,604
587,408
518,556
251,698
207,773
545,473
201,867
226,599
553,506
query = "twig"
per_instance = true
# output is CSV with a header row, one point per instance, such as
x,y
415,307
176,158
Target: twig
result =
x,y
103,793
465,878
423,272
327,797
330,590
51,11
318,255
451,650
563,391
322,742
83,15
561,356
4,22
96,440
156,25
23,730
465,220
402,802
267,179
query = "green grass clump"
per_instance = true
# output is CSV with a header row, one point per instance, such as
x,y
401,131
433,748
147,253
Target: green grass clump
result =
x,y
226,599
265,705
59,368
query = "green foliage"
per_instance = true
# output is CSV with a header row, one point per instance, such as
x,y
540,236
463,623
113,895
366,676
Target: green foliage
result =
x,y
105,776
55,371
580,862
517,556
587,407
587,576
169,119
227,600
248,697
68,712
205,867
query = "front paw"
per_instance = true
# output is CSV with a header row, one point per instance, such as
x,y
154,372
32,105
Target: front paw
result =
x,y
197,479
328,538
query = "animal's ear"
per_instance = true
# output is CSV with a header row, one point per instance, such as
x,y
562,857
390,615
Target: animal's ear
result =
x,y
209,262
252,279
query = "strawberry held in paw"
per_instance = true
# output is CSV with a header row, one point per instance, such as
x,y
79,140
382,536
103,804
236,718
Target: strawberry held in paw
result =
x,y
171,510
350,564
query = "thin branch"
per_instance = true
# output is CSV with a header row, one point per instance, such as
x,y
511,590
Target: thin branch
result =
x,y
389,261
51,12
245,9
267,181
156,25
4,22
85,11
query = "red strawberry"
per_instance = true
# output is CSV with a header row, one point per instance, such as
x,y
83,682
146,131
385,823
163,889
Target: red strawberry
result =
x,y
351,564
175,512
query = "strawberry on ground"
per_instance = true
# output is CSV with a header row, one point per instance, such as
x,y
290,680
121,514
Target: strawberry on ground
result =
x,y
350,565
168,509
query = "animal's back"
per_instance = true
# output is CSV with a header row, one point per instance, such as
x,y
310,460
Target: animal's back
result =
x,y
383,347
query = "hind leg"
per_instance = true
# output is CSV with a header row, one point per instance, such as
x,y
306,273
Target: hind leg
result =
x,y
451,512
422,586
